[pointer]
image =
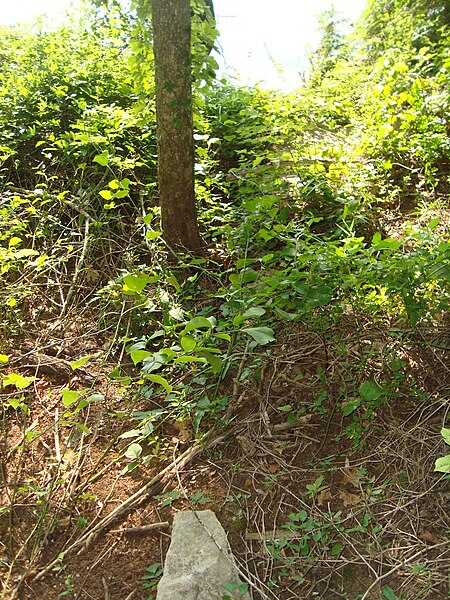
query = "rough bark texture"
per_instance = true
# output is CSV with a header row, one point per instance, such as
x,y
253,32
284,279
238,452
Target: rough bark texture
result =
x,y
172,52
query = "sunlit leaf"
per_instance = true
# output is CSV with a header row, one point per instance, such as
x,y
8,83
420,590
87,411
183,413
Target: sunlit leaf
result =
x,y
138,356
76,364
133,451
18,381
69,397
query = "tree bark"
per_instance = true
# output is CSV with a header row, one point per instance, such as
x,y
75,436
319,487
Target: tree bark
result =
x,y
174,126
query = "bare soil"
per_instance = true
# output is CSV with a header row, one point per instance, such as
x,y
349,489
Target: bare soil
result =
x,y
364,506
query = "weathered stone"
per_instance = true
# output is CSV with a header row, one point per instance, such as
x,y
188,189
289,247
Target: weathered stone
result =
x,y
199,560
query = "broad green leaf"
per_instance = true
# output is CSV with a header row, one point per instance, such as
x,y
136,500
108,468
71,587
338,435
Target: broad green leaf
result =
x,y
133,451
261,335
446,435
121,194
79,426
255,311
336,549
370,391
319,296
95,398
351,406
106,194
214,361
443,464
138,356
223,336
188,358
102,159
114,184
162,381
389,593
153,235
132,433
188,343
76,364
245,276
197,323
245,262
18,381
4,358
16,403
69,397
174,281
136,283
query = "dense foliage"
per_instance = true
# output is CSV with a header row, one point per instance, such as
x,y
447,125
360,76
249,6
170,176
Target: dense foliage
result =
x,y
319,206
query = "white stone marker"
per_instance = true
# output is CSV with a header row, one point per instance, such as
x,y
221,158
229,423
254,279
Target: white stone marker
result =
x,y
199,560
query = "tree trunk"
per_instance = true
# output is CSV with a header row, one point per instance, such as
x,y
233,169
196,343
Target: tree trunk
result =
x,y
172,52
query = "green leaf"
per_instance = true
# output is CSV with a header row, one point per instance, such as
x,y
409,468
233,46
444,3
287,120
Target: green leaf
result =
x,y
446,435
153,235
350,407
255,311
443,464
69,397
4,358
389,593
174,281
214,361
114,184
189,359
197,323
135,283
76,364
261,335
336,549
134,451
18,381
121,194
16,403
370,391
188,343
223,336
106,194
138,356
162,381
102,159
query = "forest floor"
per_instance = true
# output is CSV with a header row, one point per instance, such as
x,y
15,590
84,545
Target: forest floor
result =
x,y
308,514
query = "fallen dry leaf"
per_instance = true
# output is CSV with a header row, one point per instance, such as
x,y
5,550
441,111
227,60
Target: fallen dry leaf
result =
x,y
349,499
429,536
350,476
324,497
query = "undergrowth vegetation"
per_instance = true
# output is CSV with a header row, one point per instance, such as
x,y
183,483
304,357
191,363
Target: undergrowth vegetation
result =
x,y
326,216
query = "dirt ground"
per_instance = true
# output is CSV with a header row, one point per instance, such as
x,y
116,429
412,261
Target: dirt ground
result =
x,y
308,513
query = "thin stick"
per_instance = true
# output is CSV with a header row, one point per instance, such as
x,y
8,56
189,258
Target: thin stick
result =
x,y
144,528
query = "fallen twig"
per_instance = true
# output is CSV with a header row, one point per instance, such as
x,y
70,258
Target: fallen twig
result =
x,y
143,528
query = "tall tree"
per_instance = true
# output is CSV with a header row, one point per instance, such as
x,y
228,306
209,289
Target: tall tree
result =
x,y
171,21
